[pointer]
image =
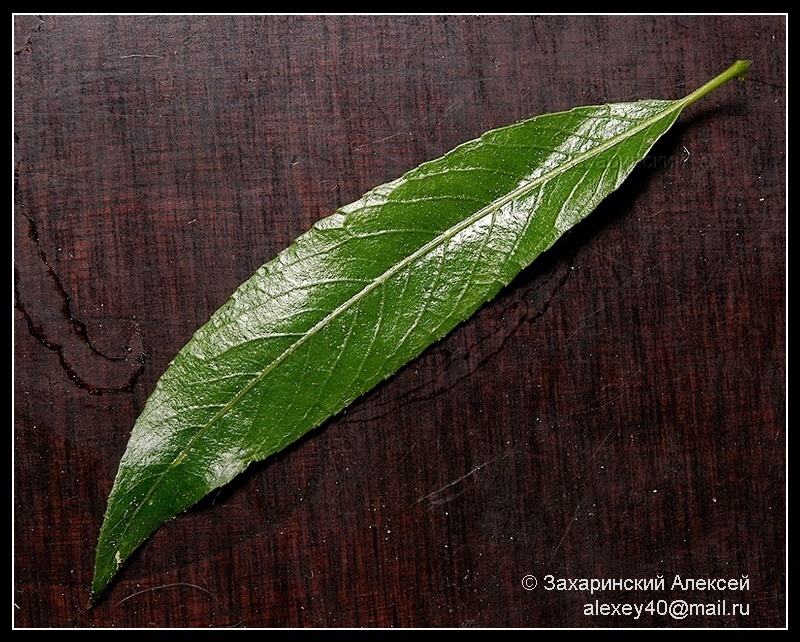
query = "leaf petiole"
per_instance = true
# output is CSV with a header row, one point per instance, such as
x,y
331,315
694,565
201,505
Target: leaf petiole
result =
x,y
739,68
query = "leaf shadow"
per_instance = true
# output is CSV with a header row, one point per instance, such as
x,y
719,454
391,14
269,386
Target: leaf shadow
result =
x,y
284,465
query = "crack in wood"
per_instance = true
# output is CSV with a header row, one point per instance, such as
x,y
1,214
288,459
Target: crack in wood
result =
x,y
43,301
27,47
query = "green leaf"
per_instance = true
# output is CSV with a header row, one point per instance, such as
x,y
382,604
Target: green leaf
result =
x,y
359,295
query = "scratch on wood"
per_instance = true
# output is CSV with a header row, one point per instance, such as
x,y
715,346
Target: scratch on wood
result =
x,y
381,140
140,56
564,536
460,479
164,586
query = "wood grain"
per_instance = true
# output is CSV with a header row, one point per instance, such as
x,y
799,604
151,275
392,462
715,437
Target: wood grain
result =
x,y
617,413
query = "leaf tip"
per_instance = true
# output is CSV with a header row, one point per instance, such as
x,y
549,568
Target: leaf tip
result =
x,y
104,574
95,593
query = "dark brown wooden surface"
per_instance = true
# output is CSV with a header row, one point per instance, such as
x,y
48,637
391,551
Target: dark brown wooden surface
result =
x,y
616,413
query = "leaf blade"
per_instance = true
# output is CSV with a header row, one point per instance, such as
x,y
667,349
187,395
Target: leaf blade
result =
x,y
359,295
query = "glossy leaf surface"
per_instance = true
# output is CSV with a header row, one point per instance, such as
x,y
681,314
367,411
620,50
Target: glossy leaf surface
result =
x,y
363,292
